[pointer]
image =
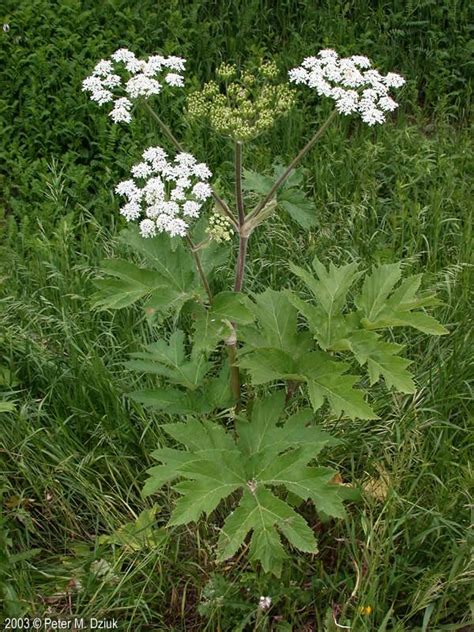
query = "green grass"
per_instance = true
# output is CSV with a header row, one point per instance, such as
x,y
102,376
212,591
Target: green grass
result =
x,y
73,453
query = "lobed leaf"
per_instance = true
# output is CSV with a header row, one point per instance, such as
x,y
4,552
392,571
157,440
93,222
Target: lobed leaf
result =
x,y
382,360
266,456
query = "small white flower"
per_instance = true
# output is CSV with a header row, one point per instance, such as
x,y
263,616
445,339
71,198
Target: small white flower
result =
x,y
387,104
131,211
111,81
6,28
103,68
191,208
132,64
322,87
178,193
173,79
186,159
152,153
372,115
183,182
175,63
121,111
202,171
202,191
154,64
142,86
102,96
328,54
298,75
171,208
154,190
142,170
177,227
347,102
361,61
264,603
392,80
147,228
310,62
122,54
129,189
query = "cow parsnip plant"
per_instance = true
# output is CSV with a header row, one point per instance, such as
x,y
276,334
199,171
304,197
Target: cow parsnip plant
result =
x,y
228,445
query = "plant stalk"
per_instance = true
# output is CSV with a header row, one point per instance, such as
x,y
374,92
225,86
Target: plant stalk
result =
x,y
240,268
238,183
239,272
235,386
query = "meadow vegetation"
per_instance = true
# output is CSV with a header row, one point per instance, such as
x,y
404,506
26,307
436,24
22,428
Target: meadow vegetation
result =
x,y
76,534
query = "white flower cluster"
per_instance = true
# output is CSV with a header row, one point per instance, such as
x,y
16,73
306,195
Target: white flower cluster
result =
x,y
172,194
352,82
123,77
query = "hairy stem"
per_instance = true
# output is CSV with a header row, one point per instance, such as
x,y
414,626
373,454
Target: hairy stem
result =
x,y
240,267
197,260
238,182
239,271
174,141
284,176
234,373
232,342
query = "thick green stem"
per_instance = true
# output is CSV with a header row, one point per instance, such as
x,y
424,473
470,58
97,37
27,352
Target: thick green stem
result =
x,y
173,140
234,372
240,267
238,183
239,271
284,176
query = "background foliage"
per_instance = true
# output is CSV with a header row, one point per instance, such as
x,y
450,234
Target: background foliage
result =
x,y
74,450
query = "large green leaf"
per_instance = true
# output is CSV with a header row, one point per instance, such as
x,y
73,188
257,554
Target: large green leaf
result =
x,y
129,284
309,483
262,437
210,481
168,285
376,288
266,456
253,181
208,331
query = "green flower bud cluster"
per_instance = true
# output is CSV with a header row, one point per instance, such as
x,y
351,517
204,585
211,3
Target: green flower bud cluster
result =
x,y
219,229
242,105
